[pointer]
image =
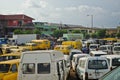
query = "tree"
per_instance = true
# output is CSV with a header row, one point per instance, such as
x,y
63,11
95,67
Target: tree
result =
x,y
118,35
18,31
101,33
94,35
36,31
76,31
27,32
59,33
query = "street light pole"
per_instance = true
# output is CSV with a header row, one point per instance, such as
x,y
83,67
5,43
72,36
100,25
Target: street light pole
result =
x,y
91,20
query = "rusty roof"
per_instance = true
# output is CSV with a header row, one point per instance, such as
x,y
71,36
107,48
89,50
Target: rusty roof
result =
x,y
16,16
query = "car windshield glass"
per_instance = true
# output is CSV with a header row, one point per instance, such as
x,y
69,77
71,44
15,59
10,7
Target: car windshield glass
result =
x,y
117,49
102,48
4,67
99,54
93,46
97,64
116,62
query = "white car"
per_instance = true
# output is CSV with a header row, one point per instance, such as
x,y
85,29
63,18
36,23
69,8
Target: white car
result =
x,y
67,64
106,48
116,44
97,53
116,50
94,47
92,67
72,52
113,60
75,59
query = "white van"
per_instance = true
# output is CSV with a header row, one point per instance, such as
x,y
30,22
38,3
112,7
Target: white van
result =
x,y
92,67
94,47
116,50
113,60
97,53
42,65
116,44
76,58
106,48
67,64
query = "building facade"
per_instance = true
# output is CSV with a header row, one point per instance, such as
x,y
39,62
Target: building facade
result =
x,y
8,23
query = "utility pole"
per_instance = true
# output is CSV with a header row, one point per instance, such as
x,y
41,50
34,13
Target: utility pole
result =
x,y
91,20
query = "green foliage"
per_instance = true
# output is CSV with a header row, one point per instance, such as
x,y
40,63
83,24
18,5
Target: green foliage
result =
x,y
59,33
118,35
36,31
27,32
18,31
101,33
94,35
76,31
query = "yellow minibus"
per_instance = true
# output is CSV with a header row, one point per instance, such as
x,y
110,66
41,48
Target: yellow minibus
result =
x,y
42,43
9,69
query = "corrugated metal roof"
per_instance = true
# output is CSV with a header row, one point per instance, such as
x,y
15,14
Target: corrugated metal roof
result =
x,y
16,16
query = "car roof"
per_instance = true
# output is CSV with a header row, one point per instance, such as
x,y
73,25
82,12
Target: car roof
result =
x,y
77,55
111,56
10,61
12,54
75,50
105,45
98,52
92,58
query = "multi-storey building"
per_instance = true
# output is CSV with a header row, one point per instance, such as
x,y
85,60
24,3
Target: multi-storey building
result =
x,y
8,23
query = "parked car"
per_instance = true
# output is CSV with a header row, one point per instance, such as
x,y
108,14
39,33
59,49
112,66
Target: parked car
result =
x,y
94,47
73,52
9,69
116,50
97,53
67,65
106,48
114,60
10,56
112,75
42,65
116,44
92,67
75,59
63,48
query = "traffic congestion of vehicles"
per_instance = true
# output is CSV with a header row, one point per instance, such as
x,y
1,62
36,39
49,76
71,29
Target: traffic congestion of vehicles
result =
x,y
38,59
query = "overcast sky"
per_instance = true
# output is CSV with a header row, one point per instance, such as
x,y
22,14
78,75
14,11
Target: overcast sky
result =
x,y
106,13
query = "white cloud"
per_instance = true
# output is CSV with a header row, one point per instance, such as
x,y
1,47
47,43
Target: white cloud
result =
x,y
70,8
34,4
116,14
85,9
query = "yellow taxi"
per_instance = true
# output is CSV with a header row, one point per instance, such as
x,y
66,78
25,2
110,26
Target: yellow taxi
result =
x,y
42,43
9,69
10,56
31,46
63,48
